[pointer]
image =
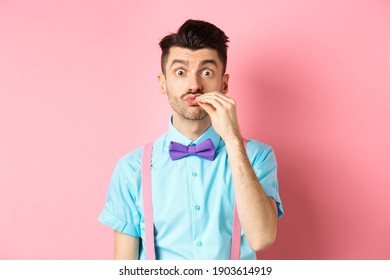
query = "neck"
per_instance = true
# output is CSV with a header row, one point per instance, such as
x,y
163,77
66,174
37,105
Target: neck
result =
x,y
191,129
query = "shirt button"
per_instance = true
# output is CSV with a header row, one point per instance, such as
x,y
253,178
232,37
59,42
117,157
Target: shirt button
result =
x,y
194,174
197,207
199,244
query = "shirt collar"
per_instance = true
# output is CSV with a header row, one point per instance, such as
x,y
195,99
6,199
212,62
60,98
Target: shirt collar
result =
x,y
177,136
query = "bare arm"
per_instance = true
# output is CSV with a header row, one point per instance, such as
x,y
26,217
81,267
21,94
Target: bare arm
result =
x,y
126,247
257,212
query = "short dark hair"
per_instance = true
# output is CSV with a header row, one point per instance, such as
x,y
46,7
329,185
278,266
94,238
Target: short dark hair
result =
x,y
195,35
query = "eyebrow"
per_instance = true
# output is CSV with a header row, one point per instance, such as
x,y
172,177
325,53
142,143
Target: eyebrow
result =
x,y
179,61
202,63
209,61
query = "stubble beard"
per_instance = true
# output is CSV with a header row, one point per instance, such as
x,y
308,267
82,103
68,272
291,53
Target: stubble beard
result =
x,y
193,113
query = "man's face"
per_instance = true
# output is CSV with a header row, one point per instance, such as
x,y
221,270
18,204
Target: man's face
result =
x,y
187,75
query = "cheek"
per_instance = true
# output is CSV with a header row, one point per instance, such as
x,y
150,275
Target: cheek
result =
x,y
176,86
211,85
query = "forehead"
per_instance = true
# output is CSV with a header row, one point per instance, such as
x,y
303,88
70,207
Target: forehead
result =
x,y
192,57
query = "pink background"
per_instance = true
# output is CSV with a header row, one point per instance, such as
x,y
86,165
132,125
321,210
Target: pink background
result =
x,y
78,90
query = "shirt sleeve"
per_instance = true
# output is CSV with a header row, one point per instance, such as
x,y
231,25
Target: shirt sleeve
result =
x,y
120,211
265,166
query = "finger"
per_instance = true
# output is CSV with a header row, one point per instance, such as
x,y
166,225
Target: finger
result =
x,y
217,95
207,107
225,98
225,101
217,104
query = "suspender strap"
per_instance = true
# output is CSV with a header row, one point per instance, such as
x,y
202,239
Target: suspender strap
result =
x,y
147,201
148,210
236,233
236,236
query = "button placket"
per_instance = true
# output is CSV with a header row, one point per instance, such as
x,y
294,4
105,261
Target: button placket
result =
x,y
197,204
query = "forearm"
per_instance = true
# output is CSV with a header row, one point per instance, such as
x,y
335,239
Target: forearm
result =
x,y
125,247
257,211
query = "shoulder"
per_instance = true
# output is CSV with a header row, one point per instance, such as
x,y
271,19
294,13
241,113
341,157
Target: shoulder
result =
x,y
259,151
258,147
133,160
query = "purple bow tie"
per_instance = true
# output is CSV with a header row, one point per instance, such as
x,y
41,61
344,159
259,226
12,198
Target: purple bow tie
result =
x,y
205,150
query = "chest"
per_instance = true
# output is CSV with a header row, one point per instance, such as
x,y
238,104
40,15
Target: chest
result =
x,y
192,184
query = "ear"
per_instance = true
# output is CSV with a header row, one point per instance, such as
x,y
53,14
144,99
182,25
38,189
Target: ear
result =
x,y
225,83
163,85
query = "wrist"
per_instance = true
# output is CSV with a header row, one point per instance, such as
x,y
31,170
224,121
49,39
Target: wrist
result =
x,y
233,140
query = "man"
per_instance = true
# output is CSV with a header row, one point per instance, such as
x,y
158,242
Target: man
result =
x,y
193,198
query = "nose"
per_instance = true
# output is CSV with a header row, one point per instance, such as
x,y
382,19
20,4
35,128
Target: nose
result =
x,y
195,84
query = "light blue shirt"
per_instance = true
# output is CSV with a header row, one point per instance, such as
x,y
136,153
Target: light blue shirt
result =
x,y
193,198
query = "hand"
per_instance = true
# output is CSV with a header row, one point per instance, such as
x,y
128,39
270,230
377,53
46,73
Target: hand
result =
x,y
223,114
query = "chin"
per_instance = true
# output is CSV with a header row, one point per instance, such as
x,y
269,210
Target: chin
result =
x,y
197,116
194,113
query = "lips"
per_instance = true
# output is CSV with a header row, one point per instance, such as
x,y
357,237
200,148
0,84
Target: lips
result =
x,y
191,99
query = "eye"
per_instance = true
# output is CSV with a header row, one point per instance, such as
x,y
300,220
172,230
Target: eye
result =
x,y
207,72
180,72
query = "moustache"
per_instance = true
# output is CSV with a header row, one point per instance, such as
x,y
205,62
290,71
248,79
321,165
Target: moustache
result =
x,y
193,92
196,92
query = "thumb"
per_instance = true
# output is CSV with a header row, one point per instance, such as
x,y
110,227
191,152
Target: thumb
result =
x,y
207,107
